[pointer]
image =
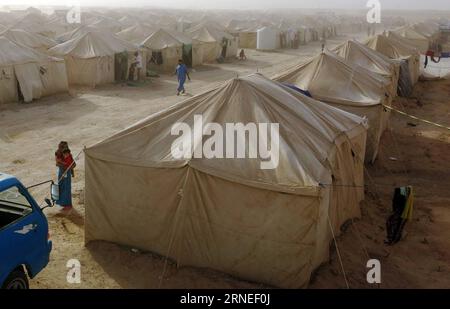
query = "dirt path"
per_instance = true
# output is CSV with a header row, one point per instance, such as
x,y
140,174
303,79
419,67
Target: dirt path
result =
x,y
29,134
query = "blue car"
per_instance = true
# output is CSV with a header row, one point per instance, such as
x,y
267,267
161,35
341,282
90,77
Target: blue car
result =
x,y
24,238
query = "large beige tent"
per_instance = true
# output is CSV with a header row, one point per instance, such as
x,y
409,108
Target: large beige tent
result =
x,y
32,40
192,49
214,42
355,52
91,57
26,74
333,80
395,49
264,225
165,47
163,51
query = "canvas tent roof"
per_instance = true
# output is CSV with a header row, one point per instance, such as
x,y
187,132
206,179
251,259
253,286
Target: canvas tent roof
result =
x,y
413,38
93,44
182,37
161,39
428,29
30,40
83,29
348,86
12,53
107,23
127,20
32,22
409,33
362,55
393,49
330,78
149,142
136,33
208,34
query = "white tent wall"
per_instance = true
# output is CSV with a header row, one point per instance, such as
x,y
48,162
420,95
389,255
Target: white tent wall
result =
x,y
90,72
267,39
8,85
247,40
54,78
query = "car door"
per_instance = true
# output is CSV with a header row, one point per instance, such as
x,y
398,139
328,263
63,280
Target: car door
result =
x,y
23,240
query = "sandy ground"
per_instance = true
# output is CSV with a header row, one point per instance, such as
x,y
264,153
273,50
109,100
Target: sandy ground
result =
x,y
29,134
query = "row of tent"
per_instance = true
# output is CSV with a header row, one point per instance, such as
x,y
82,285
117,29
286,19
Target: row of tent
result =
x,y
95,56
274,225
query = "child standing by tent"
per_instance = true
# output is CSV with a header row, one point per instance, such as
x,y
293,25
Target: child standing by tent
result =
x,y
181,72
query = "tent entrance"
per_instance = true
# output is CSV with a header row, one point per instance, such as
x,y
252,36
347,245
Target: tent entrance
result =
x,y
120,66
19,93
187,54
224,47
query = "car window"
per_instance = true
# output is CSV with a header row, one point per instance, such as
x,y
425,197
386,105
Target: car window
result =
x,y
12,197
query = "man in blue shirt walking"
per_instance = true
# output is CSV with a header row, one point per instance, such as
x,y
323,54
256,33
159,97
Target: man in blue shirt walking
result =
x,y
181,72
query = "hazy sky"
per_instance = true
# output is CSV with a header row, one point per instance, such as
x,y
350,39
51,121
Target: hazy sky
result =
x,y
245,4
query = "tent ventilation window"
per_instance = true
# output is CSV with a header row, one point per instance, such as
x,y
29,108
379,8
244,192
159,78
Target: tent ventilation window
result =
x,y
157,57
42,70
4,75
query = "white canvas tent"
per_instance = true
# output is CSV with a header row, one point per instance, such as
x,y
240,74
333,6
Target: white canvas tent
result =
x,y
27,74
339,83
90,57
264,225
267,39
356,52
